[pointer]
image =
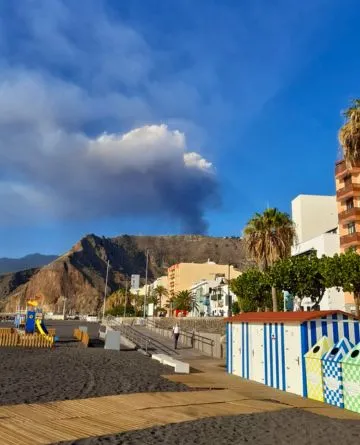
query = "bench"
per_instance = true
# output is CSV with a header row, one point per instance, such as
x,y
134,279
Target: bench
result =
x,y
180,367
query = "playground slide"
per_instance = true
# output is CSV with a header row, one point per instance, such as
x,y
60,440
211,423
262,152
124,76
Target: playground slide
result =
x,y
44,327
41,328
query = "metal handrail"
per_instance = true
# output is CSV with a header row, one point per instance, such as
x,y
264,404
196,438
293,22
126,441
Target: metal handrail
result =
x,y
141,340
192,335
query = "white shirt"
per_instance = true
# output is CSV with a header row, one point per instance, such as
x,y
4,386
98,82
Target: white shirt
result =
x,y
176,330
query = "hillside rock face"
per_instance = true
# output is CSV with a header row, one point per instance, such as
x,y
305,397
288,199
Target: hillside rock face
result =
x,y
79,275
9,282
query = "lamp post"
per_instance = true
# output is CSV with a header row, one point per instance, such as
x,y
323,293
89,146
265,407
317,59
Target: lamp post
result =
x,y
146,280
228,292
105,291
64,307
126,289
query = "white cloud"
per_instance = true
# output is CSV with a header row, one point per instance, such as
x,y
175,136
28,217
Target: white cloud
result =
x,y
194,160
147,171
140,149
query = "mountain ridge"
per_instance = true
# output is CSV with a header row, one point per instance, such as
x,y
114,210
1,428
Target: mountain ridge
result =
x,y
30,261
79,274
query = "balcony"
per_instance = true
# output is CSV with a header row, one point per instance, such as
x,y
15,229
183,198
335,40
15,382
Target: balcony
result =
x,y
342,170
340,167
350,240
349,215
348,191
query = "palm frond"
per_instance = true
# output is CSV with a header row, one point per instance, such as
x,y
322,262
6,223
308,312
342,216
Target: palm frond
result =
x,y
349,134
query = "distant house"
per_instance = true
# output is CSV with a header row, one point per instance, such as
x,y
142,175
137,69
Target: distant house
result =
x,y
182,276
211,297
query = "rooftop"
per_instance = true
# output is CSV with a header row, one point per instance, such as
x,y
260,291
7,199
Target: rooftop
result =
x,y
276,317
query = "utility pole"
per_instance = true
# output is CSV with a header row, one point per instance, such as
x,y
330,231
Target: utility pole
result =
x,y
64,307
146,280
126,289
228,292
106,282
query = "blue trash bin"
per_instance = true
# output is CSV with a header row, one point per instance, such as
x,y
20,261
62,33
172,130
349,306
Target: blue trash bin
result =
x,y
332,373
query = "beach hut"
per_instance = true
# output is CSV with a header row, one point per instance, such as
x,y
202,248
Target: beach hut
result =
x,y
270,347
314,375
332,372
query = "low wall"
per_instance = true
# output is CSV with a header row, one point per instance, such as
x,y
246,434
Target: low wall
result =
x,y
214,325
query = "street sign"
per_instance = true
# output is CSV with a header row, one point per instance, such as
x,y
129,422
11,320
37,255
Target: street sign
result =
x,y
135,282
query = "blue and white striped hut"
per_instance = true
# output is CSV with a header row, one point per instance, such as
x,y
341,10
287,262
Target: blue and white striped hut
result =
x,y
332,372
269,347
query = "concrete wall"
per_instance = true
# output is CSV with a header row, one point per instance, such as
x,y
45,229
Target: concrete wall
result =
x,y
210,344
314,215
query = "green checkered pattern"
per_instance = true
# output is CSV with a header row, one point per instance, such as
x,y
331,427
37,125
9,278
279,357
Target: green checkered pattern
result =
x,y
351,379
351,376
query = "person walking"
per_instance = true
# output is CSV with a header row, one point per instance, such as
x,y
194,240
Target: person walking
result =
x,y
176,334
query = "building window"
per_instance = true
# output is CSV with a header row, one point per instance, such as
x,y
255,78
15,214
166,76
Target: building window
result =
x,y
347,180
351,228
349,204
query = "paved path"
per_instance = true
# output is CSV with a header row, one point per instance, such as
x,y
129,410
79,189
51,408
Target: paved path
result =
x,y
40,424
182,353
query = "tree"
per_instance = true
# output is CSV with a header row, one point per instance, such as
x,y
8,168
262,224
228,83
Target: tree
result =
x,y
301,275
115,299
344,271
138,301
235,308
349,134
252,290
118,311
160,292
269,237
183,300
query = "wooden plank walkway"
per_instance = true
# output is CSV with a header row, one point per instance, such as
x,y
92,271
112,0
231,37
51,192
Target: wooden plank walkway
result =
x,y
40,424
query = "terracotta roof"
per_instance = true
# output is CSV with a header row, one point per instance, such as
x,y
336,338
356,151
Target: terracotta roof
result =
x,y
268,317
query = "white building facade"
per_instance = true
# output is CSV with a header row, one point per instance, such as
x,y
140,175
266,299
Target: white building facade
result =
x,y
316,221
313,215
212,298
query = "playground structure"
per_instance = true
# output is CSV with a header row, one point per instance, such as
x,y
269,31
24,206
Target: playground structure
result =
x,y
29,329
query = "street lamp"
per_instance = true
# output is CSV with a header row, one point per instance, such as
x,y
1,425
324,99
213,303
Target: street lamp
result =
x,y
146,280
126,290
229,295
64,307
105,291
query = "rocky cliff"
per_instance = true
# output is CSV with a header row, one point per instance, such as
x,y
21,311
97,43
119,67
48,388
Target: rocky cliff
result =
x,y
79,275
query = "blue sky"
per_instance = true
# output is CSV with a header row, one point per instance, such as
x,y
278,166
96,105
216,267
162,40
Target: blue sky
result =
x,y
162,117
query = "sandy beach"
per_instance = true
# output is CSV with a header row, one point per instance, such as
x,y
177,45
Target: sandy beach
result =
x,y
71,371
294,427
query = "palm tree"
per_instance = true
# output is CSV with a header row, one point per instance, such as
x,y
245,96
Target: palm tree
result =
x,y
117,298
183,300
349,134
160,291
269,237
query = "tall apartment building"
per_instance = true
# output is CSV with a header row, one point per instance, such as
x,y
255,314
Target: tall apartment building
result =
x,y
316,222
313,215
183,275
348,202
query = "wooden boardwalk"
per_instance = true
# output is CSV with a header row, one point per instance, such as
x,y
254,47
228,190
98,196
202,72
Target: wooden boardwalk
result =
x,y
38,424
